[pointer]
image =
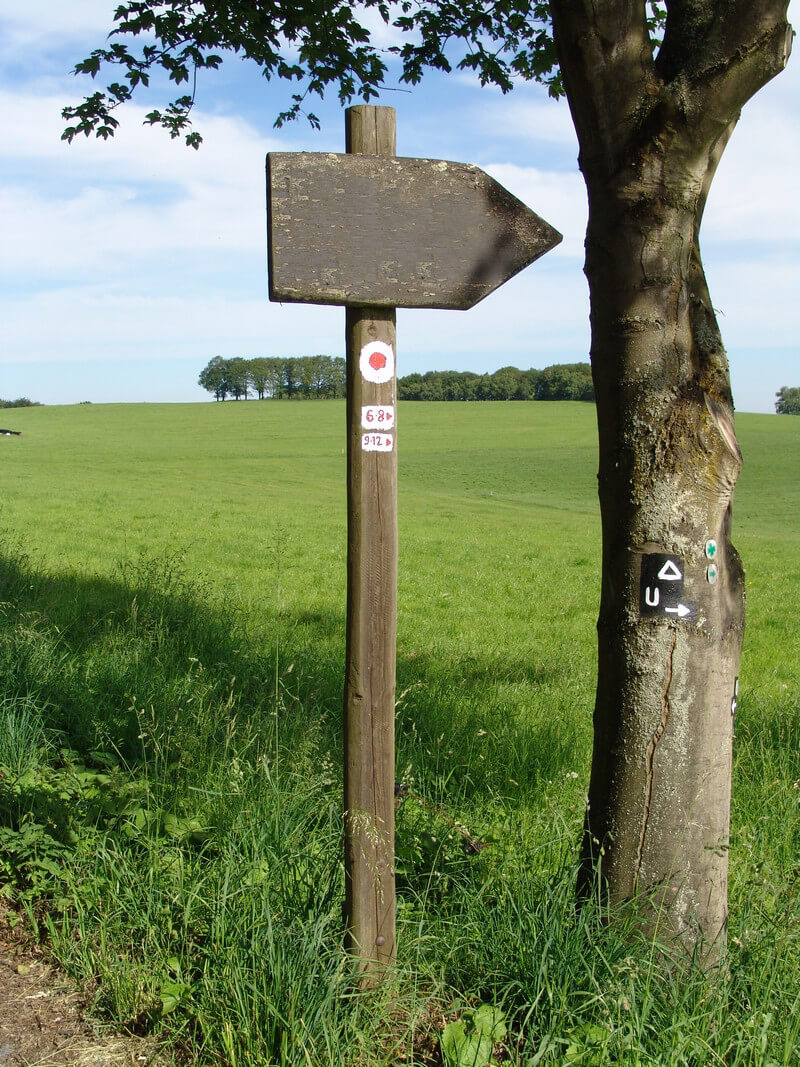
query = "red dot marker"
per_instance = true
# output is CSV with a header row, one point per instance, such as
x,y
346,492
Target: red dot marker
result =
x,y
377,361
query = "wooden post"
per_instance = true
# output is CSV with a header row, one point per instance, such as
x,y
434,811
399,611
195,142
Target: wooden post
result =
x,y
369,694
373,232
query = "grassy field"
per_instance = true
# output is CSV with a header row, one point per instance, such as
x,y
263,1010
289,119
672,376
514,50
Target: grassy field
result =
x,y
171,649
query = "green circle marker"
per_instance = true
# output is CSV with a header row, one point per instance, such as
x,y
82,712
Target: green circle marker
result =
x,y
711,549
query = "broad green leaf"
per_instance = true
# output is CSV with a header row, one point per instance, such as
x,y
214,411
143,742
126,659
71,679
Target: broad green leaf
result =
x,y
490,1021
171,995
462,1049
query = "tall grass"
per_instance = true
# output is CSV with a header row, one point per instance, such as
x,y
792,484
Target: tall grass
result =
x,y
171,774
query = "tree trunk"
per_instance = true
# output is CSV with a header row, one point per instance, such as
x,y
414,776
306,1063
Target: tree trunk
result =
x,y
652,127
659,797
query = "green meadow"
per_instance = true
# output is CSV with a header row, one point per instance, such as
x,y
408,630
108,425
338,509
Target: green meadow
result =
x,y
172,603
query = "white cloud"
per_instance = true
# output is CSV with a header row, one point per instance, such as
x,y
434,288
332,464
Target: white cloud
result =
x,y
89,206
382,35
49,23
756,301
112,230
754,194
753,207
142,205
528,116
543,313
98,322
33,129
544,317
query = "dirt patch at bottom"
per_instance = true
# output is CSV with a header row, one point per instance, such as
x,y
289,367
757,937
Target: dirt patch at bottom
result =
x,y
42,1016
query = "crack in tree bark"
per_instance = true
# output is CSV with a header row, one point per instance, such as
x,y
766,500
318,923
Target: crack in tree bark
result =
x,y
658,733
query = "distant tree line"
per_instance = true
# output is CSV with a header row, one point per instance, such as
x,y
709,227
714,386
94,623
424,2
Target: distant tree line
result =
x,y
561,381
788,400
279,377
275,377
20,402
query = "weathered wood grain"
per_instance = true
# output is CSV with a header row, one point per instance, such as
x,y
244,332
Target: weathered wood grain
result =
x,y
369,694
364,230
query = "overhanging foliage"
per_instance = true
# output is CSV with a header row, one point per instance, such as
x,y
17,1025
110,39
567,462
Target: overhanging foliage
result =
x,y
317,46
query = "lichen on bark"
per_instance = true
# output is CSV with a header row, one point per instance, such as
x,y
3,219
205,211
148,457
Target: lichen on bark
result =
x,y
652,124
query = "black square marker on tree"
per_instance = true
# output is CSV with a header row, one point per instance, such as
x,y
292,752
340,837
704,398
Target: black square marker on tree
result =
x,y
661,587
373,233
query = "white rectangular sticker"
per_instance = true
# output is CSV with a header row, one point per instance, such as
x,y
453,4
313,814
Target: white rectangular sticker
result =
x,y
377,417
377,442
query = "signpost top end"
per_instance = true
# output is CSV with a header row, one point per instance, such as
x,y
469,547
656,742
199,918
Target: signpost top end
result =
x,y
370,130
383,109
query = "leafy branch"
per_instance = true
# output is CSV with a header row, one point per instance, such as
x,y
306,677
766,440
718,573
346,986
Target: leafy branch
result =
x,y
323,45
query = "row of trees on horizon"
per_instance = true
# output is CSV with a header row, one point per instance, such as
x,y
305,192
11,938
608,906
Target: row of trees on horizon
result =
x,y
561,381
787,400
285,377
282,378
275,377
20,402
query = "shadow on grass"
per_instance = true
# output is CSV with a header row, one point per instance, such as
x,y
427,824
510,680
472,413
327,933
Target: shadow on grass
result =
x,y
154,659
156,667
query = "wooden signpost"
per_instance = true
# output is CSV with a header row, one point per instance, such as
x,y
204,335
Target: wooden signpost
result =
x,y
373,233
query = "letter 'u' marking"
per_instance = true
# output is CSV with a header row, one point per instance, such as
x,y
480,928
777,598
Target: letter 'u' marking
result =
x,y
652,596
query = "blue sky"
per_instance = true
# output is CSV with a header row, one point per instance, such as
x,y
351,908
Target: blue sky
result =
x,y
127,265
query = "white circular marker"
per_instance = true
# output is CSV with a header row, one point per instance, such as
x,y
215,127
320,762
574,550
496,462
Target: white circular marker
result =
x,y
376,362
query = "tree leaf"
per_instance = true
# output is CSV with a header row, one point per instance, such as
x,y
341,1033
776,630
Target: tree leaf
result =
x,y
462,1049
490,1021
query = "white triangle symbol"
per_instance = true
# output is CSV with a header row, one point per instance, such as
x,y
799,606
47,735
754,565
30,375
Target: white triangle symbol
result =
x,y
669,572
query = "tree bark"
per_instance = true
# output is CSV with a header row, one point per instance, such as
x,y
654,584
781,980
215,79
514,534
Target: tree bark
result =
x,y
652,128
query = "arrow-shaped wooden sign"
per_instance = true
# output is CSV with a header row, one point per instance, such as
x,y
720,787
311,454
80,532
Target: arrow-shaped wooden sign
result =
x,y
374,232
366,231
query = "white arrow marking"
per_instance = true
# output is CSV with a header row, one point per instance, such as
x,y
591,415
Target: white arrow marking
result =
x,y
681,611
669,572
